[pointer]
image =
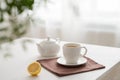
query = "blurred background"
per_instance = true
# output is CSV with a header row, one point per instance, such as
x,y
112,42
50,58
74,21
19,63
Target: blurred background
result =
x,y
84,21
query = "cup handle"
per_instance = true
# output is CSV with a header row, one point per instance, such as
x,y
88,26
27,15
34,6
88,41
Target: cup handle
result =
x,y
85,51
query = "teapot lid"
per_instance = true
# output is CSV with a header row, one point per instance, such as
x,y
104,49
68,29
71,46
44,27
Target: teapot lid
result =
x,y
48,41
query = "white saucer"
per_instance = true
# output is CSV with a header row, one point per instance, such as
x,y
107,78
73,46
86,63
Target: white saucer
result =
x,y
62,61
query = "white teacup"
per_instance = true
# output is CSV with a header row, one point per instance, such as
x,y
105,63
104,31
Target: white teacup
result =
x,y
72,52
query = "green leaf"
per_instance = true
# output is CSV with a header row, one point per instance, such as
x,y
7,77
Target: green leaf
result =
x,y
6,55
3,29
21,5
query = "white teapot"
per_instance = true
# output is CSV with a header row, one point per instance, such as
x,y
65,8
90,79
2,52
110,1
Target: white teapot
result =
x,y
49,47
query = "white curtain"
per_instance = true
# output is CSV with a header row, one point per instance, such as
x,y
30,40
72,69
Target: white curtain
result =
x,y
87,21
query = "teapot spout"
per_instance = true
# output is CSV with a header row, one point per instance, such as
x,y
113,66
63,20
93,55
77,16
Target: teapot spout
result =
x,y
38,45
40,49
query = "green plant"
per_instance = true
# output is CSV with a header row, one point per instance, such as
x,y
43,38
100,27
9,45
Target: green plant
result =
x,y
12,9
8,5
14,19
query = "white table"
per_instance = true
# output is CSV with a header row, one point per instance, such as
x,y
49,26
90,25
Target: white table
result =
x,y
15,67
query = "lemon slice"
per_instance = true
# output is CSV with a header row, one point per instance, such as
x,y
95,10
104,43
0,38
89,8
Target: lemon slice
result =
x,y
34,68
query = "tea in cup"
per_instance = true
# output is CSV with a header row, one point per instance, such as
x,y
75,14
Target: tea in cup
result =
x,y
72,52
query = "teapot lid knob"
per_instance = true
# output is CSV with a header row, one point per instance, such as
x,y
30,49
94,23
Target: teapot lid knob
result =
x,y
48,38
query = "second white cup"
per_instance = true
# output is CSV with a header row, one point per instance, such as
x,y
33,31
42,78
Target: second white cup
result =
x,y
72,52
